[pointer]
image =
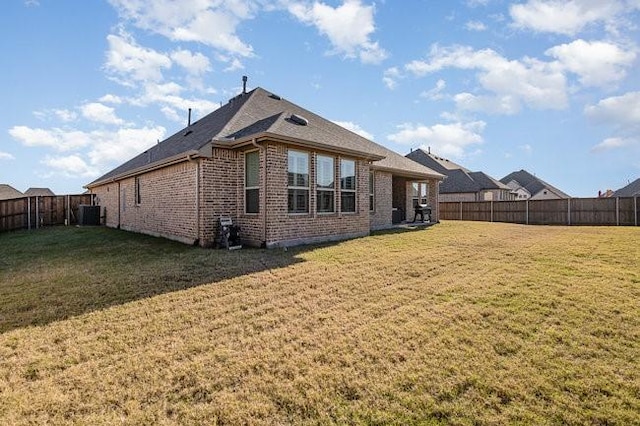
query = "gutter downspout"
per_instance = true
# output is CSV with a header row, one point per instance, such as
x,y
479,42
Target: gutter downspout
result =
x,y
119,205
197,241
264,195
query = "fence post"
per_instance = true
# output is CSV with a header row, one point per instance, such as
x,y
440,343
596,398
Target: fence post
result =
x,y
491,210
526,216
635,210
68,210
569,211
37,213
460,210
617,211
29,213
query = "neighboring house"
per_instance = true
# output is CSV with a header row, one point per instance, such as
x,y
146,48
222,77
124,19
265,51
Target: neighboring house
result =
x,y
530,187
39,192
606,194
8,192
631,190
460,183
285,175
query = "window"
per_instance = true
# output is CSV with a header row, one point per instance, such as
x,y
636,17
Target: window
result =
x,y
325,185
298,180
252,182
371,191
136,190
419,193
348,186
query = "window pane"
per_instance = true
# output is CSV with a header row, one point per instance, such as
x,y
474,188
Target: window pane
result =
x,y
371,191
348,202
253,200
298,201
298,168
252,168
414,189
324,172
325,201
347,174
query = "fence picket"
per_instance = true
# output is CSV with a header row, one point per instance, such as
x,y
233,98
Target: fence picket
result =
x,y
622,211
47,210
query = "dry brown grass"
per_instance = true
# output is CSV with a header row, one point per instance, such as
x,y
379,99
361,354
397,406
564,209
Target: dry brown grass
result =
x,y
461,323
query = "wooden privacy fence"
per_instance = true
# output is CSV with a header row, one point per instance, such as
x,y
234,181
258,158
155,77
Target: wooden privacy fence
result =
x,y
34,212
572,211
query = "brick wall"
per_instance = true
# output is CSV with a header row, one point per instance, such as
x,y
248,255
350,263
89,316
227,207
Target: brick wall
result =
x,y
383,199
167,205
284,228
107,199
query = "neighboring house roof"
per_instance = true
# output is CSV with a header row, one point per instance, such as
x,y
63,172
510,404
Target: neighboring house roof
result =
x,y
631,190
439,164
459,179
7,192
259,115
39,192
532,183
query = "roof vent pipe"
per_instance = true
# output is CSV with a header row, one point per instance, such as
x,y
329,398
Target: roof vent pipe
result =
x,y
189,118
244,84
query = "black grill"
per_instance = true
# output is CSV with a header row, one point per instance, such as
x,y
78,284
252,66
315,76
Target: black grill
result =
x,y
423,210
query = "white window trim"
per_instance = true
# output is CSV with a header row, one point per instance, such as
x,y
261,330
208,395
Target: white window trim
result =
x,y
332,190
251,187
354,191
306,188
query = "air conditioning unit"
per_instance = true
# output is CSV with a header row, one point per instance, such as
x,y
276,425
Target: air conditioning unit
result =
x,y
88,215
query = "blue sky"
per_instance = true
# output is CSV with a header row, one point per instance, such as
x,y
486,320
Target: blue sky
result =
x,y
548,86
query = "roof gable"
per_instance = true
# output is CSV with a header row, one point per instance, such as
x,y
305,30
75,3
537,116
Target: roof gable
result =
x,y
631,190
8,192
532,183
260,112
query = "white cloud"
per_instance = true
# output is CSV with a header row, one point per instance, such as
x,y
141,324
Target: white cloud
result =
x,y
596,63
129,62
435,93
448,139
6,156
105,149
355,128
475,26
112,148
210,22
510,83
348,27
390,77
620,111
70,166
100,113
65,115
613,143
193,63
58,139
568,17
172,104
111,99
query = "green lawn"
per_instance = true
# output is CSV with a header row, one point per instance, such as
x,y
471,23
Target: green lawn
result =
x,y
460,323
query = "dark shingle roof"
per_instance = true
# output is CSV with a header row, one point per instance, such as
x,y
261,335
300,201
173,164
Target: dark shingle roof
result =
x,y
39,192
631,190
532,183
260,112
459,179
439,164
8,192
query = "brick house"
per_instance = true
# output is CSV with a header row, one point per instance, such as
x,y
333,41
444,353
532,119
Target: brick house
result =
x,y
285,175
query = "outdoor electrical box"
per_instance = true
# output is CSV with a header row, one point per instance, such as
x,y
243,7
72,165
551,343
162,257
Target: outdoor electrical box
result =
x,y
88,215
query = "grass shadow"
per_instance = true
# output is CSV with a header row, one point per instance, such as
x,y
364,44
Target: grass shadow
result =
x,y
56,273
